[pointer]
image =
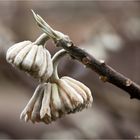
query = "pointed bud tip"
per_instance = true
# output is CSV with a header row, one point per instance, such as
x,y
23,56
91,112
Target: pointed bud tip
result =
x,y
33,12
22,115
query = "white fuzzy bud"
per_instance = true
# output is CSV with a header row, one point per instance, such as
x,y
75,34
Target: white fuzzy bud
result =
x,y
32,58
54,100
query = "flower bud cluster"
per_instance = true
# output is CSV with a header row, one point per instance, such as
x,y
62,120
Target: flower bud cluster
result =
x,y
51,101
54,97
31,57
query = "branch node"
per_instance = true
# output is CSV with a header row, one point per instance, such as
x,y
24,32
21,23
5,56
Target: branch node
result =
x,y
86,60
128,82
69,44
103,78
102,62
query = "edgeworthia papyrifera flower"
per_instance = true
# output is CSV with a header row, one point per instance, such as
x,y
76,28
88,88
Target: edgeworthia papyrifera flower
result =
x,y
32,57
58,97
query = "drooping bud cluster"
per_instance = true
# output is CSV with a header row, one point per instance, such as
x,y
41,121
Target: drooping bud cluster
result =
x,y
51,101
58,97
31,57
54,97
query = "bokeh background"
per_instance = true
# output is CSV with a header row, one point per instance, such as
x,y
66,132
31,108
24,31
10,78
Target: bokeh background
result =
x,y
109,30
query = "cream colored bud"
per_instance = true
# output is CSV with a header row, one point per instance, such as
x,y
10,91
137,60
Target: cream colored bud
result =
x,y
32,58
67,96
27,112
54,100
81,89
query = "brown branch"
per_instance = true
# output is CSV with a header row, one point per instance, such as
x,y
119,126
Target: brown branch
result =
x,y
107,74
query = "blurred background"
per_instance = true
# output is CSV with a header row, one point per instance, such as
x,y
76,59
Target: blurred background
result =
x,y
109,30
